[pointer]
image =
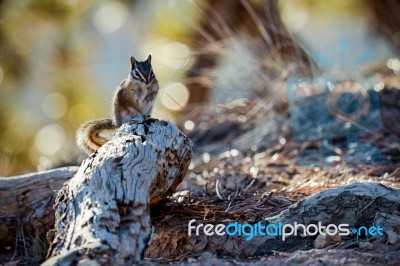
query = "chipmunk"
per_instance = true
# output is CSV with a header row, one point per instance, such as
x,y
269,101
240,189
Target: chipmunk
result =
x,y
134,97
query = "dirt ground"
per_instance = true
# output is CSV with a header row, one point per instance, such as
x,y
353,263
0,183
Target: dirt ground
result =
x,y
247,166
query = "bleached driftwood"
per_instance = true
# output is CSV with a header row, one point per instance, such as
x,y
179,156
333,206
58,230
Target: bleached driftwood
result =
x,y
102,213
28,200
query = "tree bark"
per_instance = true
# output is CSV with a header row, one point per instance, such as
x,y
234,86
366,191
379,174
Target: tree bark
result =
x,y
102,213
28,200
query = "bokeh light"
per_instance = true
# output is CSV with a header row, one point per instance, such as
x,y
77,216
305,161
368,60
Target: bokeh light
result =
x,y
110,17
294,15
189,125
206,157
175,54
54,105
394,64
50,139
175,96
44,163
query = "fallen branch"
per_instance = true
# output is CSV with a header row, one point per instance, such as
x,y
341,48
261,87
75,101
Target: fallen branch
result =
x,y
30,199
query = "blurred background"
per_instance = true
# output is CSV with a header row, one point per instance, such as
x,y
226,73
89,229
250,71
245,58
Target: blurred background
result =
x,y
61,60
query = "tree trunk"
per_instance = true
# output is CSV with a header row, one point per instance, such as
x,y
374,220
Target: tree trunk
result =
x,y
102,213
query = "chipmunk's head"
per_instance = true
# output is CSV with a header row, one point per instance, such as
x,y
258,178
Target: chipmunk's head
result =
x,y
142,71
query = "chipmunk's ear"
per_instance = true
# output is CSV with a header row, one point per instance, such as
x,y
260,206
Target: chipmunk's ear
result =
x,y
133,62
149,59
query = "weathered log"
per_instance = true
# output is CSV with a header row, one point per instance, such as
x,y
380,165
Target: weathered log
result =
x,y
30,199
102,213
353,204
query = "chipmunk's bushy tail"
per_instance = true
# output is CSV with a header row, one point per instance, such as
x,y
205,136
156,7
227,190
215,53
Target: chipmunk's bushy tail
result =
x,y
93,134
